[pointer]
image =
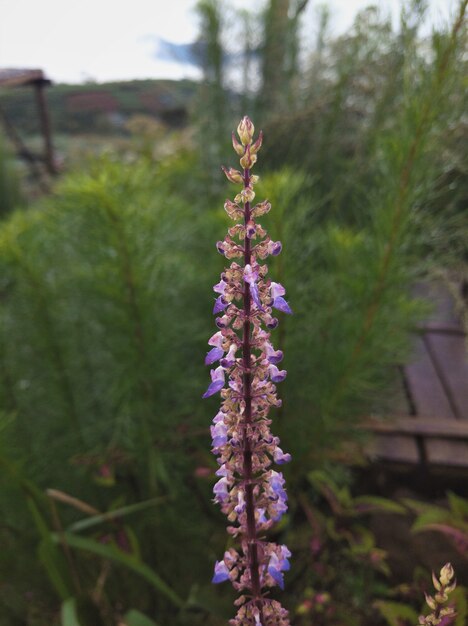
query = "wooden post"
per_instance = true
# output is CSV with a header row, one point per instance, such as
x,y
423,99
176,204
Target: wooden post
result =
x,y
45,127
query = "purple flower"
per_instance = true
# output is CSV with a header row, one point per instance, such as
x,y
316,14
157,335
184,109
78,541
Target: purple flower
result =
x,y
223,322
271,322
221,490
216,340
220,247
230,358
217,382
277,292
274,570
220,287
213,355
240,507
273,356
219,435
281,457
220,304
222,471
251,277
276,375
221,572
250,230
277,565
274,247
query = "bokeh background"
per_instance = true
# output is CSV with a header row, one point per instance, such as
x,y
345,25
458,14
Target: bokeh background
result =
x,y
111,201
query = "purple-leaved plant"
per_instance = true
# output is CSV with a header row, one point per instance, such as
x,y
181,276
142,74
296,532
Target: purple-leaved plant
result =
x,y
251,494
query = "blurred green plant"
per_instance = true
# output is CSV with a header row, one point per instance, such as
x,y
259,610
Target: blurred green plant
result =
x,y
10,194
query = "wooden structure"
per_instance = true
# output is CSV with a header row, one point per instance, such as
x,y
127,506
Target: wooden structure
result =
x,y
431,422
36,79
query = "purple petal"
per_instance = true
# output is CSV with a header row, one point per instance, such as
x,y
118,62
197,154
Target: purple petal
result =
x,y
276,375
271,322
256,295
275,356
223,322
275,247
214,355
214,387
220,287
277,576
221,572
277,289
280,303
220,490
281,457
219,305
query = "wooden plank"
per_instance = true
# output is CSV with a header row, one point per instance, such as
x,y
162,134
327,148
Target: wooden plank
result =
x,y
425,388
397,448
448,353
441,327
450,453
420,426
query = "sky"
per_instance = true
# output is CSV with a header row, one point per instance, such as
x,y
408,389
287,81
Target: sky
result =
x,y
106,40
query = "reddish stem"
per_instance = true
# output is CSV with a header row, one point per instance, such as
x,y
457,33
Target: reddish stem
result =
x,y
252,542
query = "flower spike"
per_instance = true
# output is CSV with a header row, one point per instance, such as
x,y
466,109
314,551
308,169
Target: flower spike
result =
x,y
249,491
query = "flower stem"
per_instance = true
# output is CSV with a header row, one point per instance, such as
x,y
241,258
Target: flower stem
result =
x,y
252,554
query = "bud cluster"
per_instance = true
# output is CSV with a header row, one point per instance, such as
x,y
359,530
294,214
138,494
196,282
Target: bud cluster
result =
x,y
441,615
249,491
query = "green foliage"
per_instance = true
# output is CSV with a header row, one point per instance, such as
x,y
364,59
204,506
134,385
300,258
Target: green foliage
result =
x,y
339,570
10,195
451,521
102,328
396,613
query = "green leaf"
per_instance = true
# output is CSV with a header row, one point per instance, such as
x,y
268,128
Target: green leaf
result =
x,y
89,522
53,562
461,605
458,505
372,504
114,554
135,618
395,612
68,613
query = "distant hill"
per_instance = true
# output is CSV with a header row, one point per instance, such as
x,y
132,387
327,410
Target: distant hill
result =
x,y
100,108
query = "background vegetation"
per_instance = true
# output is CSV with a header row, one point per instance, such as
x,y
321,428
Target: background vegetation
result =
x,y
105,313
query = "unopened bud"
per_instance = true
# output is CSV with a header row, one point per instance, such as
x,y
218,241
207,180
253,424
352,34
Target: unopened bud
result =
x,y
248,160
234,176
239,148
245,130
431,603
436,582
255,147
446,574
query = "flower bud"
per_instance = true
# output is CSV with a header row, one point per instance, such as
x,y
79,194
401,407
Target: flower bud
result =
x,y
431,603
245,130
239,148
234,176
255,147
446,574
248,160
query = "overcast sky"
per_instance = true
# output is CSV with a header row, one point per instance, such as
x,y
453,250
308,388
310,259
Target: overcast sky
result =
x,y
111,40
